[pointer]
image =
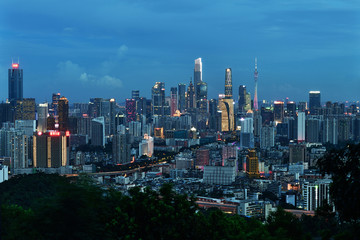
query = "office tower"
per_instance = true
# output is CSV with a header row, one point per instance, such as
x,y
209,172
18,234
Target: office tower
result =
x,y
63,113
14,144
158,98
278,111
130,110
256,108
121,149
25,109
50,149
173,100
267,137
182,97
42,111
228,84
54,103
146,146
135,128
301,127
242,98
330,130
28,126
246,124
302,106
313,129
252,163
120,119
201,97
112,113
214,115
257,124
290,109
227,105
197,71
292,127
141,106
297,153
190,98
315,193
314,101
98,132
135,94
228,152
15,83
6,113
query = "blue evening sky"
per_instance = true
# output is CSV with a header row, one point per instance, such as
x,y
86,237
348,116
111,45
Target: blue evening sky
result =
x,y
98,48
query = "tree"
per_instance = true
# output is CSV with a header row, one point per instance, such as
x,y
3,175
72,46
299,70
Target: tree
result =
x,y
344,167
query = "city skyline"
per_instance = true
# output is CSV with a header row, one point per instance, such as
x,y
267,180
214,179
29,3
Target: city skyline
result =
x,y
300,47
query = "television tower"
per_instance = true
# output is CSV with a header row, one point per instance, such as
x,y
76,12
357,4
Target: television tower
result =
x,y
256,108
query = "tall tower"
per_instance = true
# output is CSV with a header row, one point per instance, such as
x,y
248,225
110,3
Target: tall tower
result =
x,y
182,97
63,112
226,105
197,71
15,83
256,108
228,84
173,103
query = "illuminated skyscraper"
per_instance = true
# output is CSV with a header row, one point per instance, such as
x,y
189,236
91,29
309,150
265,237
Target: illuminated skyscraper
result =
x,y
190,98
314,101
42,111
25,109
278,111
252,163
15,83
226,105
228,84
158,98
51,149
182,97
197,71
242,98
173,100
301,127
256,108
130,110
201,97
63,112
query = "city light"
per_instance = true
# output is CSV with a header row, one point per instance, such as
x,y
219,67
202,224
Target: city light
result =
x,y
15,65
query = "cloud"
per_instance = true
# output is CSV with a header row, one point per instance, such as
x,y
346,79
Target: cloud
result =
x,y
121,51
68,70
106,80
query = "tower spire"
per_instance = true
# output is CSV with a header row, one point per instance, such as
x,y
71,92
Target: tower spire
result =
x,y
256,108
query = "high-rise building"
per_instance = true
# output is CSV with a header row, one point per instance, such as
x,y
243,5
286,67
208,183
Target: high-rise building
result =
x,y
130,110
173,100
25,109
228,84
121,149
190,98
146,146
197,71
135,94
256,108
63,113
42,112
15,83
252,163
226,105
182,97
278,111
50,149
314,101
6,112
301,127
290,109
267,139
201,97
54,103
242,98
98,132
297,153
158,98
315,193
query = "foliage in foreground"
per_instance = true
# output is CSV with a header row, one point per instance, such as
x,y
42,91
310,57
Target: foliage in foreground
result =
x,y
60,209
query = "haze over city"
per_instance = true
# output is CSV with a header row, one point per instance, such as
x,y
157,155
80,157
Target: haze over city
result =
x,y
107,49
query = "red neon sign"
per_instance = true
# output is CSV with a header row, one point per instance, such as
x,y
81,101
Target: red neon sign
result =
x,y
67,133
54,134
15,65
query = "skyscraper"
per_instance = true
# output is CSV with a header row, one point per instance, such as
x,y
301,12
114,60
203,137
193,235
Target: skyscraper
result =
x,y
173,100
25,109
228,84
279,111
226,105
182,97
256,108
158,98
242,98
190,98
301,127
15,83
201,97
314,101
42,111
130,110
135,94
197,71
63,112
